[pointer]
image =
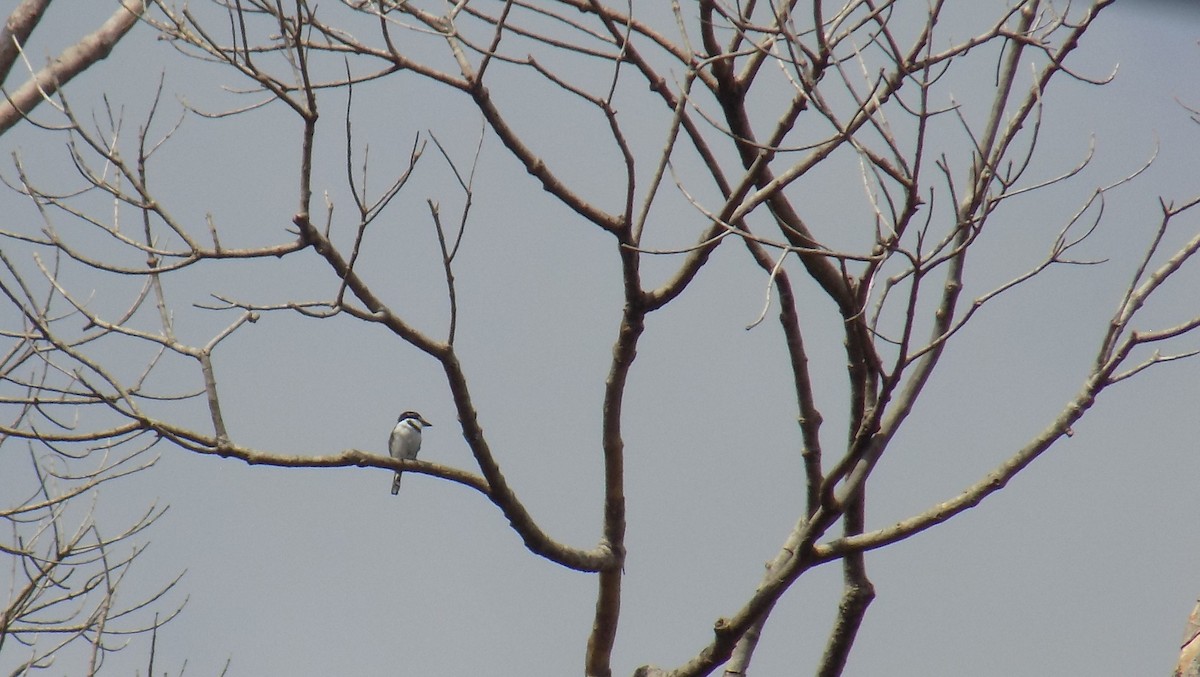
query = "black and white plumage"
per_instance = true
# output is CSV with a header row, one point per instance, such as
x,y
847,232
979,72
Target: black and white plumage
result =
x,y
405,441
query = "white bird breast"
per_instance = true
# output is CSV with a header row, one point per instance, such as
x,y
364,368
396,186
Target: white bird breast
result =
x,y
405,441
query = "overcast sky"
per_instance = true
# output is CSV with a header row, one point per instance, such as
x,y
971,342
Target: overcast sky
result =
x,y
1085,564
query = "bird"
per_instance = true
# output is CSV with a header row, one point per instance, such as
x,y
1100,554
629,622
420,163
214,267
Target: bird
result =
x,y
405,441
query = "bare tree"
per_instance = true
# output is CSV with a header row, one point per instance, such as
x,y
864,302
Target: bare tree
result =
x,y
68,571
737,105
67,599
42,83
67,588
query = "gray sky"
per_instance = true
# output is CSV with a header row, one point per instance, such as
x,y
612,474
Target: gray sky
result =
x,y
1082,565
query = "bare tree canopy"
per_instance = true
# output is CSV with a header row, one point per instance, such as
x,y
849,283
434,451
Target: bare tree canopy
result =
x,y
68,600
45,81
625,258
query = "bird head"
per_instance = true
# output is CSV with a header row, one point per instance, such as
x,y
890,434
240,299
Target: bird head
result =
x,y
415,417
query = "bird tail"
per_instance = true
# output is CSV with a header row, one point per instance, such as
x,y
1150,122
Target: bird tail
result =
x,y
396,484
